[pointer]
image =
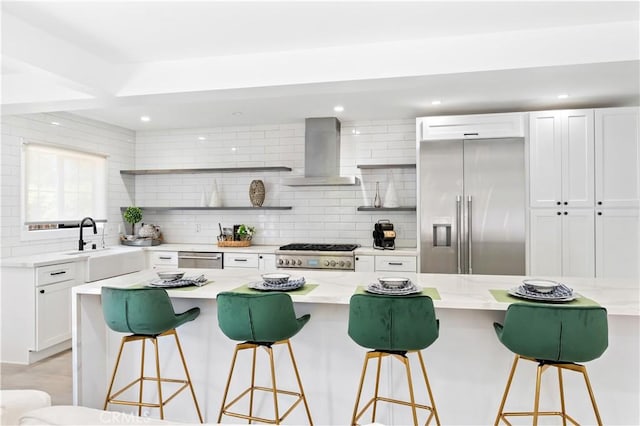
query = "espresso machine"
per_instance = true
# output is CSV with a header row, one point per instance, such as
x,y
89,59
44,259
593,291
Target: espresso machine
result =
x,y
384,237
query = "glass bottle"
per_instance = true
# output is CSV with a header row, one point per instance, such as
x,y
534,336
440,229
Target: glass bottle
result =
x,y
377,203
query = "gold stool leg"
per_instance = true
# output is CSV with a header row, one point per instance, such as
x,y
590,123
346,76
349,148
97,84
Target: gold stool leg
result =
x,y
562,405
583,369
302,394
143,343
536,402
273,383
377,387
405,361
434,411
113,375
362,377
253,382
226,389
506,390
186,372
161,403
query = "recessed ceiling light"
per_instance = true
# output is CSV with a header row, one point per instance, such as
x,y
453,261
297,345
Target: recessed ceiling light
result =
x,y
234,148
563,96
338,108
145,118
236,113
436,102
202,138
55,123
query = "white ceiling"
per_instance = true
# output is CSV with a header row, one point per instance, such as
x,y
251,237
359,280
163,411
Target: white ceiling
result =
x,y
208,63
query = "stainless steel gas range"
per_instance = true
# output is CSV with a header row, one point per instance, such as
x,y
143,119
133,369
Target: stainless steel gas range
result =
x,y
317,256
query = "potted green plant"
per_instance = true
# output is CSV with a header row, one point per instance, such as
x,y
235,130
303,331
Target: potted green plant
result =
x,y
133,215
245,233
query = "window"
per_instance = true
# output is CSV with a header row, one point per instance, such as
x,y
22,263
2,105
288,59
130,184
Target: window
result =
x,y
61,186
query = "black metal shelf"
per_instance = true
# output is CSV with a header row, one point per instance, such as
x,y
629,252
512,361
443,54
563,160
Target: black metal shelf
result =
x,y
214,208
386,209
387,166
206,170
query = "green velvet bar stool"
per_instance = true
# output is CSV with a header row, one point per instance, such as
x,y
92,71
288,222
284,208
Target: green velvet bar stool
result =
x,y
260,320
148,314
552,336
393,326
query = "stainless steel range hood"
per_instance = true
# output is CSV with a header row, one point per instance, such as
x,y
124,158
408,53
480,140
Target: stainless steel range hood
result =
x,y
322,155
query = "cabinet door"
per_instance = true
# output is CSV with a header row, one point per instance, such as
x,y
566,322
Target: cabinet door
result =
x,y
617,157
53,314
267,263
578,243
364,263
472,126
396,263
241,260
577,158
545,242
545,159
162,259
617,248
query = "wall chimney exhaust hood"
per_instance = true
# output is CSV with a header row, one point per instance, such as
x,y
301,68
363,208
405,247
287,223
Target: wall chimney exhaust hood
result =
x,y
322,155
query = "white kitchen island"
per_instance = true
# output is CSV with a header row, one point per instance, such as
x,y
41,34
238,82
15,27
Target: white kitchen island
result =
x,y
467,365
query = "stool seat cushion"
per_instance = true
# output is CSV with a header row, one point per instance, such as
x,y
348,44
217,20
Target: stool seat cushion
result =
x,y
392,323
14,403
145,311
555,333
76,415
258,318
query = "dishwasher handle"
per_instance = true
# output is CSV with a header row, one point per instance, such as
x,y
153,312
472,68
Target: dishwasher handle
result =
x,y
201,257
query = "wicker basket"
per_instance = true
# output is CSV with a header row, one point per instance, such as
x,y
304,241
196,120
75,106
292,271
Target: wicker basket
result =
x,y
245,243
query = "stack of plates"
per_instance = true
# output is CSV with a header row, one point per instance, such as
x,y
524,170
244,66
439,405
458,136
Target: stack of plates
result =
x,y
543,290
291,284
198,280
393,287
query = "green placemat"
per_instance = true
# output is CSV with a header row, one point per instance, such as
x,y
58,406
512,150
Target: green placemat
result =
x,y
185,288
427,291
503,296
299,291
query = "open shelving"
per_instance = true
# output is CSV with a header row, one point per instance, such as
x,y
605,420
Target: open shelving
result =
x,y
214,208
387,166
386,209
206,170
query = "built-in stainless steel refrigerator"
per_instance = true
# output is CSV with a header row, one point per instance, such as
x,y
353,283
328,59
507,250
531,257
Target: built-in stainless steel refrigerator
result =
x,y
472,206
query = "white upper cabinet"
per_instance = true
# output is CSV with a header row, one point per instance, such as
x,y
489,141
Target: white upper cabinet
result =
x,y
561,155
479,126
617,157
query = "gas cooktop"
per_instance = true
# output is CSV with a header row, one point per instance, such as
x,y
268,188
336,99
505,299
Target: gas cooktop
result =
x,y
320,247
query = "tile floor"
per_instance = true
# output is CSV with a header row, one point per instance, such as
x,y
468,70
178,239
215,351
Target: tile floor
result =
x,y
52,375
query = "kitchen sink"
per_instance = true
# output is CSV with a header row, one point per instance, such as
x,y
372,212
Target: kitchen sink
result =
x,y
88,252
110,262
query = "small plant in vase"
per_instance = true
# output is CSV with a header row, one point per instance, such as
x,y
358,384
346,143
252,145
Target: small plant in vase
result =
x,y
245,233
133,215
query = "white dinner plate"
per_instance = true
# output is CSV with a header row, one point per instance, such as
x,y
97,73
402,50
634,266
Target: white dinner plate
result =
x,y
540,297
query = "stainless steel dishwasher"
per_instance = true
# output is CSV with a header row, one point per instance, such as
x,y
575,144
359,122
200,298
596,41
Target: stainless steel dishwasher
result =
x,y
196,259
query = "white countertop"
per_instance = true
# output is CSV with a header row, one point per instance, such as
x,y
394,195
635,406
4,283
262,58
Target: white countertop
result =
x,y
211,248
620,297
35,260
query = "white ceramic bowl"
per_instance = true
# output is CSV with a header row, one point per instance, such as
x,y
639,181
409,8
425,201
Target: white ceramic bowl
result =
x,y
170,275
540,286
393,282
276,278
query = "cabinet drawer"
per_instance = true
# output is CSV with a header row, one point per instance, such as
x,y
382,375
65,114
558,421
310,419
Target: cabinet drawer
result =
x,y
169,258
240,260
471,126
55,273
396,263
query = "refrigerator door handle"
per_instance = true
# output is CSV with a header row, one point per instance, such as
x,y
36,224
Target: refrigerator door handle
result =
x,y
469,233
458,232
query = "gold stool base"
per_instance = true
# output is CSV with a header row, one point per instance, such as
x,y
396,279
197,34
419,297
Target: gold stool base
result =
x,y
158,379
300,396
433,413
542,366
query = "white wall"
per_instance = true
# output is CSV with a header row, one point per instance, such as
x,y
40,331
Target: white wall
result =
x,y
320,214
73,131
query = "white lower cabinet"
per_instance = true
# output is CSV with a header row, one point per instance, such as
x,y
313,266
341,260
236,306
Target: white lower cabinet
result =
x,y
562,242
242,260
395,263
365,263
267,263
53,314
162,259
617,251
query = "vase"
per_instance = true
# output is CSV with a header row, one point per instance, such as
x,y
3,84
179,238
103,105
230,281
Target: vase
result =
x,y
256,193
391,196
203,198
214,199
377,202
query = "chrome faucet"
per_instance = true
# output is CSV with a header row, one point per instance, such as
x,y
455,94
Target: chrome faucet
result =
x,y
95,231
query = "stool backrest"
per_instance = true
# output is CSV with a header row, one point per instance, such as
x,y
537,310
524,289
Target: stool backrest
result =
x,y
555,333
392,323
268,317
146,311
